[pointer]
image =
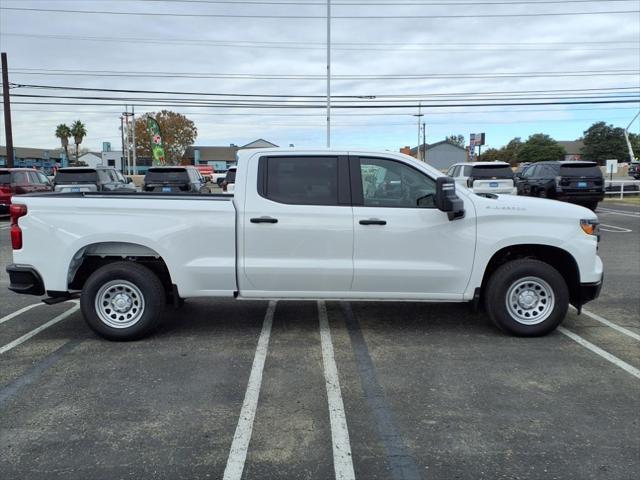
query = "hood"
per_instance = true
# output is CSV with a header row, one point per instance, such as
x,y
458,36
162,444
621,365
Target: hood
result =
x,y
529,206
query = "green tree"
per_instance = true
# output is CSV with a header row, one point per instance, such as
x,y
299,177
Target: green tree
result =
x,y
602,142
492,155
511,151
63,132
79,131
178,133
456,140
540,147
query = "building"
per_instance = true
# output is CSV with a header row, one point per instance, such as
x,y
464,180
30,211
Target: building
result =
x,y
40,158
219,158
440,155
573,148
110,158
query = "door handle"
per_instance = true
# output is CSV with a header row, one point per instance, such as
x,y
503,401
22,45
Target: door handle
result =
x,y
373,221
264,220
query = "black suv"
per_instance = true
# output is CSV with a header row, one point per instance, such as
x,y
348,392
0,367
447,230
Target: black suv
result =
x,y
175,179
570,181
91,179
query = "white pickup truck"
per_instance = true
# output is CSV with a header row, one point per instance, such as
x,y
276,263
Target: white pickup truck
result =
x,y
351,225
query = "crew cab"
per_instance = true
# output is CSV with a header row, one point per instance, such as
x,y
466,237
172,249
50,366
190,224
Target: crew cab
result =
x,y
484,177
308,224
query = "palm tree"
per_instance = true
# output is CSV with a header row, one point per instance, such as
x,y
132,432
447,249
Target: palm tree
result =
x,y
63,132
79,131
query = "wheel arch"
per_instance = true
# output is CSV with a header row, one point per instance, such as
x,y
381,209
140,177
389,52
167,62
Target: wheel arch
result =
x,y
556,257
90,257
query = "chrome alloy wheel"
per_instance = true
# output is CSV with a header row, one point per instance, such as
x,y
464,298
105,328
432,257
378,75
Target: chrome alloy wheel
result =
x,y
530,300
119,304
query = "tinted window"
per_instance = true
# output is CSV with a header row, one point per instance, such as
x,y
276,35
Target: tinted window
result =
x,y
5,177
76,176
466,170
21,178
453,171
302,180
168,175
386,183
580,170
492,171
230,177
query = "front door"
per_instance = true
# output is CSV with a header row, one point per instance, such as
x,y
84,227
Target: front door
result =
x,y
298,227
404,247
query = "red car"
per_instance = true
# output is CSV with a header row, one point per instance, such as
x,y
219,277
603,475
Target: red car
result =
x,y
16,181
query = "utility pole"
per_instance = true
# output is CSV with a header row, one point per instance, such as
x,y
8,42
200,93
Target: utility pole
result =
x,y
419,115
133,141
7,110
424,141
125,114
122,163
328,73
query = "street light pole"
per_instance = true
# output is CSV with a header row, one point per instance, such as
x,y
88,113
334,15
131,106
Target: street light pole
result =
x,y
328,73
133,134
7,111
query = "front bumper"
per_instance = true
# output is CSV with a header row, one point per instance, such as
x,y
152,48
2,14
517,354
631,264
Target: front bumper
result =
x,y
590,291
25,279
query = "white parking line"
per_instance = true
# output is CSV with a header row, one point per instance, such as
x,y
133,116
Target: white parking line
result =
x,y
242,436
35,331
342,461
18,312
610,324
603,353
625,213
612,228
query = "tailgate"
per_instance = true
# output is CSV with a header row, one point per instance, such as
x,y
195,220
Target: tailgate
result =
x,y
497,184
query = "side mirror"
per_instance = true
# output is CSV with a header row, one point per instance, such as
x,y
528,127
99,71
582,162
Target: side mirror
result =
x,y
206,178
446,198
129,180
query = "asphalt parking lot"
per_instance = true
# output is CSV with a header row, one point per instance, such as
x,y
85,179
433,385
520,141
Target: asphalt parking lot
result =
x,y
261,390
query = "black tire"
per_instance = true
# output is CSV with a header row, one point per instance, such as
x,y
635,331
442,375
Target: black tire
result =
x,y
591,206
507,278
134,323
542,193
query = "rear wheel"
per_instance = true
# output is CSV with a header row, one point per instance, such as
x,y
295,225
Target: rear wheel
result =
x,y
122,301
527,298
542,193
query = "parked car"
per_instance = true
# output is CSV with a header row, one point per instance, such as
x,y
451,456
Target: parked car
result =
x,y
568,181
91,179
175,179
302,225
484,177
18,181
229,183
634,170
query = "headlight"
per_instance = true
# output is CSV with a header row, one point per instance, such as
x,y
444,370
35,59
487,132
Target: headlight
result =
x,y
590,227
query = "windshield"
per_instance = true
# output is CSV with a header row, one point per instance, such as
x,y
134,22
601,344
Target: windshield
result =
x,y
76,176
492,171
580,170
168,175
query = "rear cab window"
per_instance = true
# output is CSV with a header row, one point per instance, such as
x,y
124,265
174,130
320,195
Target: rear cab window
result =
x,y
76,176
580,170
492,171
167,175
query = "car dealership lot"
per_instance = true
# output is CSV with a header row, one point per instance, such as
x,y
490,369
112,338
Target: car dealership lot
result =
x,y
425,391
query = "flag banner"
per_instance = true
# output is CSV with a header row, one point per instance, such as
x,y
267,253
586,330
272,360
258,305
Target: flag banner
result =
x,y
157,149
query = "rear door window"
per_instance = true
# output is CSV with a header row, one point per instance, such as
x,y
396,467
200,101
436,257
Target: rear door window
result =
x,y
580,170
5,177
21,178
301,180
167,175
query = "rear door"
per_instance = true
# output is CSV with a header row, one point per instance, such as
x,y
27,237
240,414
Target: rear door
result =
x,y
297,226
22,182
404,247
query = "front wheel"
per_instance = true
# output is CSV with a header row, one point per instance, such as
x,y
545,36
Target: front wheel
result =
x,y
527,298
122,301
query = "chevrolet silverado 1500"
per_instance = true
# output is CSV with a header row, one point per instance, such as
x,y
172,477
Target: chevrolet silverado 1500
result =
x,y
351,225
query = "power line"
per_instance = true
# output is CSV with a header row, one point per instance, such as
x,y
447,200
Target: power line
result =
x,y
604,91
310,17
524,47
381,3
256,76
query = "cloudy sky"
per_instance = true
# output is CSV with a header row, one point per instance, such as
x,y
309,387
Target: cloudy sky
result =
x,y
438,52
